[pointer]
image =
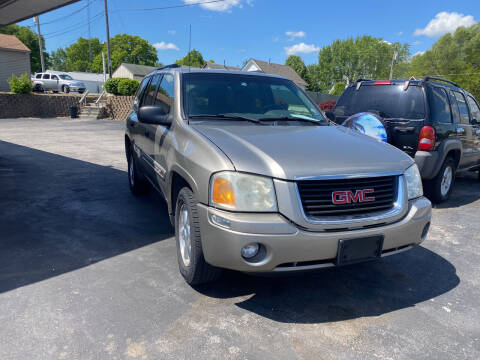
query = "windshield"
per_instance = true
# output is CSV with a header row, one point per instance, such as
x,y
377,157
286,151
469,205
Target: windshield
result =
x,y
66,77
249,96
390,101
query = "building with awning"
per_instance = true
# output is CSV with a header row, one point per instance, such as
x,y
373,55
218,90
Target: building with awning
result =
x,y
12,11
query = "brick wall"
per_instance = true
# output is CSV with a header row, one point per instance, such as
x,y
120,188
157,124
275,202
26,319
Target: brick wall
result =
x,y
117,108
36,105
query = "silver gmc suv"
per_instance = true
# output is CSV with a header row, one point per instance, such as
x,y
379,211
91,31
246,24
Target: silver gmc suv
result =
x,y
257,180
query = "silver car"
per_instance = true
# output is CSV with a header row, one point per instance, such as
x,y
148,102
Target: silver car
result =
x,y
257,180
57,82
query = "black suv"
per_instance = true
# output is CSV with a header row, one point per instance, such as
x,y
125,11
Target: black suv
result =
x,y
433,120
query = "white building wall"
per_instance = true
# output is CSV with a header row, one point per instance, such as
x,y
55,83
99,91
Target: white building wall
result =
x,y
122,72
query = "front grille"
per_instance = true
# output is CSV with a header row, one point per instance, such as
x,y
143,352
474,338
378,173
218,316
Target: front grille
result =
x,y
317,203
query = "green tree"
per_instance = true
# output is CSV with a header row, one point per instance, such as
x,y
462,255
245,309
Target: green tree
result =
x,y
58,59
297,64
30,39
194,59
77,56
364,56
126,48
453,56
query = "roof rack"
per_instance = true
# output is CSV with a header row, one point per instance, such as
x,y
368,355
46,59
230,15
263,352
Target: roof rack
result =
x,y
428,78
171,66
360,79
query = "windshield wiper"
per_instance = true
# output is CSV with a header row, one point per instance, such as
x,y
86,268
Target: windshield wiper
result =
x,y
291,118
225,116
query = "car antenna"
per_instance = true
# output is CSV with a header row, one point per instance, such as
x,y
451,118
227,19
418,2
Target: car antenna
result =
x,y
189,48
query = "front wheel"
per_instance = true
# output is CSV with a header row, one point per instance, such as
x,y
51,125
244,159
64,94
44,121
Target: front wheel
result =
x,y
136,181
191,261
440,188
66,89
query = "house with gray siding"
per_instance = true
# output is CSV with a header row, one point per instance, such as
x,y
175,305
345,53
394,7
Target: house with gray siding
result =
x,y
14,59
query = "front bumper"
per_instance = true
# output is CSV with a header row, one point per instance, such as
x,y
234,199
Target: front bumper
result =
x,y
77,88
288,247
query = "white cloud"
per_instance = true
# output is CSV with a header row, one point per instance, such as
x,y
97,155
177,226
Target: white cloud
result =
x,y
295,34
386,42
445,22
419,53
301,48
165,46
172,32
416,43
276,39
400,33
220,6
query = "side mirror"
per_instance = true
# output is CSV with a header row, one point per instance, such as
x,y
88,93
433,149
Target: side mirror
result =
x,y
474,121
153,115
330,115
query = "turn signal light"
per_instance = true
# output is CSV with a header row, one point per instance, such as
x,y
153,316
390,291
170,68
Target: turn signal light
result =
x,y
426,139
223,192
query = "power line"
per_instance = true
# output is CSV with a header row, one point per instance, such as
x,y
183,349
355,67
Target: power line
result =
x,y
173,6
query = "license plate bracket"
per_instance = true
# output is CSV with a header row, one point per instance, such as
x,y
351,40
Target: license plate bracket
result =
x,y
351,251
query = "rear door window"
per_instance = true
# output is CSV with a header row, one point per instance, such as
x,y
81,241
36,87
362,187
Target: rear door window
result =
x,y
439,105
474,108
391,101
46,76
462,107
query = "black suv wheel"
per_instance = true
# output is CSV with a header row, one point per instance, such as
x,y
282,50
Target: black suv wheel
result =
x,y
136,181
440,188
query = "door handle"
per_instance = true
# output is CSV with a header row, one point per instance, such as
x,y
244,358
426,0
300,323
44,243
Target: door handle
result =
x,y
460,130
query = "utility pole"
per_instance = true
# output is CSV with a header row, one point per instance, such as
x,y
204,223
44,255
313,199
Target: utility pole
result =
x,y
109,57
103,64
394,58
35,19
89,38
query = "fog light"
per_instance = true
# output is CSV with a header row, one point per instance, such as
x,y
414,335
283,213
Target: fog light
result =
x,y
250,250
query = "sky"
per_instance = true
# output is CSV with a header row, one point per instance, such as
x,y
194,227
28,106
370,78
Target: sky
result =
x,y
232,31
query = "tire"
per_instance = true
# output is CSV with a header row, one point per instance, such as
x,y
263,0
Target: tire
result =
x,y
80,92
38,88
191,261
136,181
437,189
66,89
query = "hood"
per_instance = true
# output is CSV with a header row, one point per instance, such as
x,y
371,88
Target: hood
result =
x,y
289,152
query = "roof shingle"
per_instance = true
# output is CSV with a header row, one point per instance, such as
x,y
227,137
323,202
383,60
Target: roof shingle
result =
x,y
282,70
11,42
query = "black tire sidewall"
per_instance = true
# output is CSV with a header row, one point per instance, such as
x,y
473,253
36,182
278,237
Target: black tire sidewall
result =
x,y
66,89
183,198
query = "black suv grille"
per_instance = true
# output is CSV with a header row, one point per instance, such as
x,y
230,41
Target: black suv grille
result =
x,y
317,196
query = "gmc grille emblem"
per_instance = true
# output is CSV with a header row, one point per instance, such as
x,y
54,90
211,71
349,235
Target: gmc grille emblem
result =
x,y
348,197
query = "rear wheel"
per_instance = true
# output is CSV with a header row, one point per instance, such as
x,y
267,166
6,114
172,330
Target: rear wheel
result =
x,y
440,188
38,88
191,261
136,181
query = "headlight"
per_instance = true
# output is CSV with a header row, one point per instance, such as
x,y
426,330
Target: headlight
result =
x,y
242,192
414,182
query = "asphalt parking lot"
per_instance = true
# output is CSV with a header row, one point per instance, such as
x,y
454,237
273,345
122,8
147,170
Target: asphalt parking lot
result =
x,y
87,271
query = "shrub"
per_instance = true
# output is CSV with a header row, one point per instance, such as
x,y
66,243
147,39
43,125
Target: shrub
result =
x,y
21,84
127,86
111,85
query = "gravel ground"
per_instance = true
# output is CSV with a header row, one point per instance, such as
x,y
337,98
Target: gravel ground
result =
x,y
89,272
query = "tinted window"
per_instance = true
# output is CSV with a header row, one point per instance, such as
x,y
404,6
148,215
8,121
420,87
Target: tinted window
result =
x,y
140,91
439,105
38,76
46,76
150,91
474,108
165,94
252,96
462,107
390,100
54,77
66,77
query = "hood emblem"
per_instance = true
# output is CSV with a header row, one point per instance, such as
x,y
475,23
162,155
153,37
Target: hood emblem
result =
x,y
349,196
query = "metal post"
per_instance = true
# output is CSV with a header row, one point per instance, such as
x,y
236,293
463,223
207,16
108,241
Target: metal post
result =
x,y
89,38
103,63
395,55
35,19
109,58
